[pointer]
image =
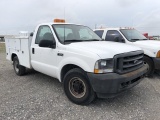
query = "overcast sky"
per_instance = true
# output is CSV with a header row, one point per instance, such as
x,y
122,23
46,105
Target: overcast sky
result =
x,y
24,15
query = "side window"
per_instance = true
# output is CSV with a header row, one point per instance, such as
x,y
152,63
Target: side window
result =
x,y
112,34
44,33
99,33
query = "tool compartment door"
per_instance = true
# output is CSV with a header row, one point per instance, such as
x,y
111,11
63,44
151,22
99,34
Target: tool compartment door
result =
x,y
20,47
24,52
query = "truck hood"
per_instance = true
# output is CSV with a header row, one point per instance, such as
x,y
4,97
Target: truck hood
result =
x,y
151,44
104,49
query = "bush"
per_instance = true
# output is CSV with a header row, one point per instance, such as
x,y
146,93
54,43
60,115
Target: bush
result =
x,y
2,47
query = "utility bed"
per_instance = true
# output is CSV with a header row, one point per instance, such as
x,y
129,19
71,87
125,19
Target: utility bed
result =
x,y
21,47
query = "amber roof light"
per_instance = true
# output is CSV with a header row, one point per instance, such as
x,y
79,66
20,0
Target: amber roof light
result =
x,y
59,21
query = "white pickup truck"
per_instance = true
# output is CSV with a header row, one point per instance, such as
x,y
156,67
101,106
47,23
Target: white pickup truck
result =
x,y
131,36
76,56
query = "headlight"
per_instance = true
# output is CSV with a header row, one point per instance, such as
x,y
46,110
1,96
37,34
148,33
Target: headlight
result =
x,y
158,54
104,66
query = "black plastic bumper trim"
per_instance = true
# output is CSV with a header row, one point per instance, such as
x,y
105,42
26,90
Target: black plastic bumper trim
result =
x,y
156,63
111,84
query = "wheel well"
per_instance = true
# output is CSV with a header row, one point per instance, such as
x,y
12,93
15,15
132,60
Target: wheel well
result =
x,y
66,68
13,55
148,57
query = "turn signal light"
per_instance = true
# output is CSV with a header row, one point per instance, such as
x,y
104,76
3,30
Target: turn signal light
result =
x,y
158,54
96,71
59,21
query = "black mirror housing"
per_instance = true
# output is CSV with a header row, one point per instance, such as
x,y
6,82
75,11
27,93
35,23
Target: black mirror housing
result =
x,y
47,43
122,40
117,39
31,34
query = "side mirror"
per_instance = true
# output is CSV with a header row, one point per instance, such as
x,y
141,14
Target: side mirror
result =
x,y
31,34
122,40
47,43
117,39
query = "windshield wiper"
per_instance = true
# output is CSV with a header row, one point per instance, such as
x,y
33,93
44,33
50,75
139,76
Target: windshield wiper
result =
x,y
93,40
144,39
74,40
134,40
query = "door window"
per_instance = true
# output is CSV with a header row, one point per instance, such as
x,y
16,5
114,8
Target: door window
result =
x,y
112,34
44,33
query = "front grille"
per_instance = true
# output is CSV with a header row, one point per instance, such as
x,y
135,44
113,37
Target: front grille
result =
x,y
128,62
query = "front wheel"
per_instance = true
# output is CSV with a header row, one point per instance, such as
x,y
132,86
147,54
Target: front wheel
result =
x,y
19,69
148,61
77,87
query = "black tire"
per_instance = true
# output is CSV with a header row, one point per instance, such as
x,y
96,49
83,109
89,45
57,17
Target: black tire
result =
x,y
77,87
149,62
19,69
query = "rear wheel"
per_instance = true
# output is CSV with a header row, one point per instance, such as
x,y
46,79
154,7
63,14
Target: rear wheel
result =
x,y
19,69
148,61
77,87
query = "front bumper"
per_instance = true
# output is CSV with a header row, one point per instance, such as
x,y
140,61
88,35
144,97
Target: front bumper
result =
x,y
156,63
111,84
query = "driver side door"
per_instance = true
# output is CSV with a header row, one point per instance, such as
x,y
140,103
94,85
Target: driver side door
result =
x,y
44,59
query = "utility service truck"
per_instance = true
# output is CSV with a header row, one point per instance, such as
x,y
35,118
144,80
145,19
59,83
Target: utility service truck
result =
x,y
131,36
77,57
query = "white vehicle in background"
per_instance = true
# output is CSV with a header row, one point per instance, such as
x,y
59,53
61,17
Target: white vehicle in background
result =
x,y
133,37
76,56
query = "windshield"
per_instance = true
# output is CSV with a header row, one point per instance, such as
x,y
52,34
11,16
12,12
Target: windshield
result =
x,y
74,33
132,35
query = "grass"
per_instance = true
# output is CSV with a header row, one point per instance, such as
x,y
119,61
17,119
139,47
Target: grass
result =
x,y
2,47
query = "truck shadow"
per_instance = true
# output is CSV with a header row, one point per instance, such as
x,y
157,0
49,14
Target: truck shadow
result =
x,y
43,79
156,73
30,72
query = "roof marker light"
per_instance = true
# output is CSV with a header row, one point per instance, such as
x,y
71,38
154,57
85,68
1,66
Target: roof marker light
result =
x,y
59,21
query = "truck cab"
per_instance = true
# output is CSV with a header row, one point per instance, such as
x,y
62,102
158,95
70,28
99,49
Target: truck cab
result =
x,y
133,37
77,57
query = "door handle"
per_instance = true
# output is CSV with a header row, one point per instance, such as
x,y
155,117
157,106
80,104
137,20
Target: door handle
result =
x,y
60,54
33,50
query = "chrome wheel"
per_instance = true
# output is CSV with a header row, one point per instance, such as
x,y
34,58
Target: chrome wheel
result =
x,y
16,66
145,63
77,87
19,69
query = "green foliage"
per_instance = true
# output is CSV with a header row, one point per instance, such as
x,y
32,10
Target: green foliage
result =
x,y
2,47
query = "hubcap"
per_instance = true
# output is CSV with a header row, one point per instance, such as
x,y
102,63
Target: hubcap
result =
x,y
146,65
16,66
77,87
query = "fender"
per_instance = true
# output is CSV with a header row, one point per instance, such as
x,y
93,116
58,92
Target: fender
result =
x,y
87,66
149,53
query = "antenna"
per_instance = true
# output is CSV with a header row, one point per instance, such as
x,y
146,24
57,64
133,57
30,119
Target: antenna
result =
x,y
64,13
64,26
